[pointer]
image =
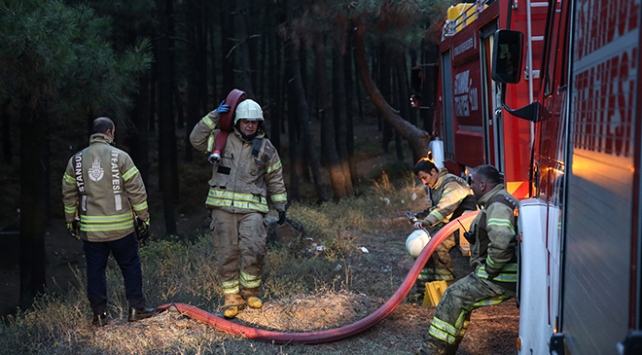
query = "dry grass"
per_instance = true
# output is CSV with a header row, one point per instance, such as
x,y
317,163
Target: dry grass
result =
x,y
305,289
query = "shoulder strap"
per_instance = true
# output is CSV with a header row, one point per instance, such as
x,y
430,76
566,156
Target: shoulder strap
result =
x,y
455,178
501,199
257,144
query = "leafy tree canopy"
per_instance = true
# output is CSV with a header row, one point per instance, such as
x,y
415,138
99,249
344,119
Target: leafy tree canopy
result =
x,y
58,58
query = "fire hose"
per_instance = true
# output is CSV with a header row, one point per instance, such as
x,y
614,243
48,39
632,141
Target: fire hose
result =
x,y
328,335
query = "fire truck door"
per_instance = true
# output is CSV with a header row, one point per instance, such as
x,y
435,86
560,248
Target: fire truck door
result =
x,y
492,109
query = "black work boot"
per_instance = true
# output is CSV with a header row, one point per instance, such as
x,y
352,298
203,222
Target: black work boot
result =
x,y
436,347
136,314
419,292
99,319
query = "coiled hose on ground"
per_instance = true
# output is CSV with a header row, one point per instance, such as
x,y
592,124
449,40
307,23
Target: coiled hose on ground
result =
x,y
328,335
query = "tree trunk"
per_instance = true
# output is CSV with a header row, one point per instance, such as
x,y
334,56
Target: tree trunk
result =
x,y
328,141
138,140
153,83
178,101
396,95
214,100
417,138
429,91
6,133
167,136
193,55
294,138
341,122
273,71
32,219
201,62
243,49
301,109
349,97
384,85
227,32
357,84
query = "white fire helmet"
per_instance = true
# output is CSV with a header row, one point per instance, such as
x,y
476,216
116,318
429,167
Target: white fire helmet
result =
x,y
248,110
416,242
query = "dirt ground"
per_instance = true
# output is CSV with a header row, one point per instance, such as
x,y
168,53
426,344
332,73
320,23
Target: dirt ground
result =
x,y
493,330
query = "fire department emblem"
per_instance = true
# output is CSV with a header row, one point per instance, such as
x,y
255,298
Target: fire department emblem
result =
x,y
96,171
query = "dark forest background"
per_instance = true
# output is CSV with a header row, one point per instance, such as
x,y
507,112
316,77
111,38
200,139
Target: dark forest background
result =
x,y
158,66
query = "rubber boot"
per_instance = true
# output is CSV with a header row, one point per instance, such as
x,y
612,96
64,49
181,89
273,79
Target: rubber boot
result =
x,y
234,303
252,297
254,302
418,296
436,347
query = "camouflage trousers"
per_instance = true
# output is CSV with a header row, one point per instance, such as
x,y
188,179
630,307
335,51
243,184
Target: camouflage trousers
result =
x,y
451,319
240,247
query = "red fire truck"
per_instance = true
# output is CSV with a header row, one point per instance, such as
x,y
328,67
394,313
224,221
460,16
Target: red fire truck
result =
x,y
581,245
469,118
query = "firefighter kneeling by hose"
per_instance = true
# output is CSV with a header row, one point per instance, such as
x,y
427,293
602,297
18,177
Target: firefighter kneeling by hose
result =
x,y
245,171
449,196
494,260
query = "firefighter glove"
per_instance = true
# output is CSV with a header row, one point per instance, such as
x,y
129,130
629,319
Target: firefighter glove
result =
x,y
73,228
142,230
281,218
423,214
223,108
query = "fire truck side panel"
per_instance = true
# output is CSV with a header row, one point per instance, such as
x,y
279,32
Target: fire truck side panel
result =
x,y
585,169
599,219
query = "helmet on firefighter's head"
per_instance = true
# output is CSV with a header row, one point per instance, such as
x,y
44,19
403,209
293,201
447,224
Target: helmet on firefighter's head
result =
x,y
248,110
416,242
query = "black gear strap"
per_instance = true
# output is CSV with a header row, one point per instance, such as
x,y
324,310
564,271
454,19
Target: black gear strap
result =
x,y
256,147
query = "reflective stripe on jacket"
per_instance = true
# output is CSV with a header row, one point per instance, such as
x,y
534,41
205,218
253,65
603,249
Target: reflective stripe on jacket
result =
x,y
241,181
103,187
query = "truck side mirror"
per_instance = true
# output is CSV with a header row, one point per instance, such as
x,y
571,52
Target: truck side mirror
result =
x,y
507,56
507,69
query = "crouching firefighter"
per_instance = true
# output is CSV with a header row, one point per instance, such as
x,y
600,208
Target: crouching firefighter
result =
x,y
449,197
494,260
248,169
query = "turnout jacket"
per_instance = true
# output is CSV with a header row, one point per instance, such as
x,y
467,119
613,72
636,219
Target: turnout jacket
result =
x,y
247,172
493,255
103,187
450,197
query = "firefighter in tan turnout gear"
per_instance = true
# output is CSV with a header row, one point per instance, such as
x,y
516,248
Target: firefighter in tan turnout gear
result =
x,y
105,198
493,259
449,197
249,169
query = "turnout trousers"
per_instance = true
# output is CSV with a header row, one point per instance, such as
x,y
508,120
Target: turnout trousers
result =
x,y
240,244
451,319
125,251
440,265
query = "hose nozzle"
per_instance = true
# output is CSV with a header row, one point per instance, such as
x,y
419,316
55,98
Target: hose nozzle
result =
x,y
215,157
